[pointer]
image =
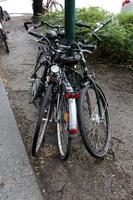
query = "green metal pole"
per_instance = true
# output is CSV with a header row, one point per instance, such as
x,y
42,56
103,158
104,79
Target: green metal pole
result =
x,y
69,20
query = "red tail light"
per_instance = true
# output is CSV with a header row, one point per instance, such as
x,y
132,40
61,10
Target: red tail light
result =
x,y
69,95
125,2
73,131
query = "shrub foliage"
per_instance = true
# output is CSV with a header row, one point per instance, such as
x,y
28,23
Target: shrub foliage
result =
x,y
117,38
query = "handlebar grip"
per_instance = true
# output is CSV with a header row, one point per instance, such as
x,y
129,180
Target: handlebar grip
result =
x,y
37,26
89,47
80,25
51,26
26,25
35,34
106,22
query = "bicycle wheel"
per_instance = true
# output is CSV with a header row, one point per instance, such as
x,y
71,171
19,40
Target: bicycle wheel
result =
x,y
55,6
94,121
38,87
42,122
64,141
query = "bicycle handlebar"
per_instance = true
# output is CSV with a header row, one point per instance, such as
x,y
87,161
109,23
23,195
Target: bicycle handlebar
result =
x,y
59,32
26,25
80,25
39,36
63,48
51,26
106,22
77,46
31,32
98,27
88,47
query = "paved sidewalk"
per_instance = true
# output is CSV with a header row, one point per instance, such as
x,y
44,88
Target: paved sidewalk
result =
x,y
17,180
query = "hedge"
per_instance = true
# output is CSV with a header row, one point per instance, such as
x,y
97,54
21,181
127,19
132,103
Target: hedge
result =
x,y
117,37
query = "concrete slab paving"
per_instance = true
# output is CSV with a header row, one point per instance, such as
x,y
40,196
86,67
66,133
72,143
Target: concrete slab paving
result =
x,y
17,180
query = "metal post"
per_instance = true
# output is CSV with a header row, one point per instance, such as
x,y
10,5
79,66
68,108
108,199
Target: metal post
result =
x,y
69,20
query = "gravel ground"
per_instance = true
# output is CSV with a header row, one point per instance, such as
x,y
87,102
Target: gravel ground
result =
x,y
81,177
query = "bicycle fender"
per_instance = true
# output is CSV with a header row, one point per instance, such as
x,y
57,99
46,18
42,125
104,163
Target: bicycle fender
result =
x,y
97,87
72,114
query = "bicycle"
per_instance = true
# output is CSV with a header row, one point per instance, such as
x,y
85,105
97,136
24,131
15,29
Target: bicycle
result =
x,y
43,59
3,34
52,6
56,99
67,108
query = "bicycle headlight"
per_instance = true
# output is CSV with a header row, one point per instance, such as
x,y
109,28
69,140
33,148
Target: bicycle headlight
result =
x,y
55,69
77,56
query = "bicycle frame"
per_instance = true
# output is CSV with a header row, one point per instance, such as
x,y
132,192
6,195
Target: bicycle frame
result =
x,y
61,86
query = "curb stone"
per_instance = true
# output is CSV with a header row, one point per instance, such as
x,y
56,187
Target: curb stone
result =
x,y
17,179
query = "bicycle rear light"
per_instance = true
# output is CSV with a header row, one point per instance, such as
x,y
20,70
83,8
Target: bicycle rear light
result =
x,y
69,95
73,131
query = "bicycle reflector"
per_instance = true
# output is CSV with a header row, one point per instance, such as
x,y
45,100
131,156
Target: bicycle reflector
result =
x,y
70,95
73,131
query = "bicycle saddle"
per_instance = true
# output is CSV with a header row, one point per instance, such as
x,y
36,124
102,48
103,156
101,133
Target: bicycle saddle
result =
x,y
51,35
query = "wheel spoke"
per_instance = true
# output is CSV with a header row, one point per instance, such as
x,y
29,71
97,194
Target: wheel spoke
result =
x,y
94,122
62,129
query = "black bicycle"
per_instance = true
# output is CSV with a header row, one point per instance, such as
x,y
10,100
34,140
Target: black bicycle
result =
x,y
69,70
44,57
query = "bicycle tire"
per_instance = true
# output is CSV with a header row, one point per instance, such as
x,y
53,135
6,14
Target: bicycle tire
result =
x,y
55,5
41,125
93,114
64,140
38,87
